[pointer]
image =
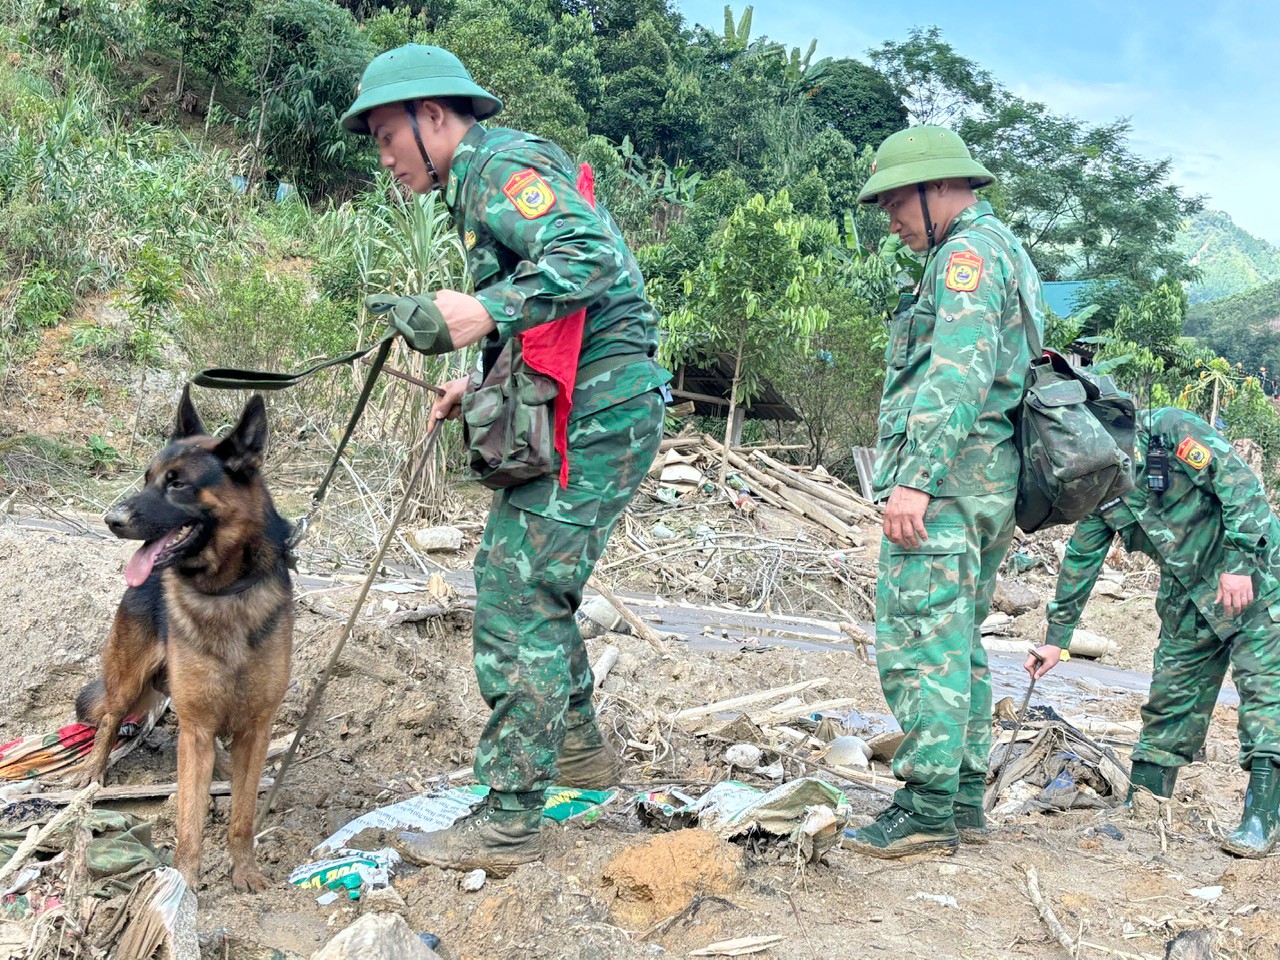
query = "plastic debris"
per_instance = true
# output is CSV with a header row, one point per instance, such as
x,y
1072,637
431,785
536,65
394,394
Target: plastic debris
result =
x,y
351,871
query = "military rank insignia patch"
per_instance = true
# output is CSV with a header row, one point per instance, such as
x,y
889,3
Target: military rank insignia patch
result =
x,y
1193,453
451,191
529,194
469,238
964,270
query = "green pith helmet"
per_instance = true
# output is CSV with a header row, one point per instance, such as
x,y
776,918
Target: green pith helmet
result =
x,y
921,155
413,72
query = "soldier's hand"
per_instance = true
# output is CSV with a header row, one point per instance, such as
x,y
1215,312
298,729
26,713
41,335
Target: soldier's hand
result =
x,y
466,317
448,405
1235,592
904,516
1048,659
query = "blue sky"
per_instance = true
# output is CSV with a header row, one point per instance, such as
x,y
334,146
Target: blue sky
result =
x,y
1199,82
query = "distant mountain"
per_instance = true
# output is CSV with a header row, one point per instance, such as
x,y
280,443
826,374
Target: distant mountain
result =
x,y
1244,328
1231,260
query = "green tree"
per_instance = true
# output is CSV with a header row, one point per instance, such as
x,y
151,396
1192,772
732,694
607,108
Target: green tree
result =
x,y
857,101
303,59
750,299
934,82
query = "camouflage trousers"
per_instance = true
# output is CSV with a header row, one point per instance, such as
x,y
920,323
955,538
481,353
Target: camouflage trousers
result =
x,y
1189,667
539,547
930,602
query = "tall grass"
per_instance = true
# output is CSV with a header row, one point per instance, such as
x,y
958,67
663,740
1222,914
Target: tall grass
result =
x,y
390,243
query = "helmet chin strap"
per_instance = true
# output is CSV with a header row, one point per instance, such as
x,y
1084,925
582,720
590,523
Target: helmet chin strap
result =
x,y
924,209
411,108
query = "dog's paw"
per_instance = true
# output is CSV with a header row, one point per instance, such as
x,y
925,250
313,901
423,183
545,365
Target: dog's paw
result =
x,y
247,878
81,779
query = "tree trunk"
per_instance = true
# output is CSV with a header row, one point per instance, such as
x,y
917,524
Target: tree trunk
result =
x,y
209,109
733,406
182,66
1213,413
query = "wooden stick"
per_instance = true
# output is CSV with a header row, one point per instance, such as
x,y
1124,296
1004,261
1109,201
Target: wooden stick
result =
x,y
79,802
1046,912
638,626
813,488
139,791
774,714
867,781
693,713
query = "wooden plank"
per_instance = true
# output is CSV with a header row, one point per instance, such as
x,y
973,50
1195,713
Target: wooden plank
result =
x,y
693,713
137,791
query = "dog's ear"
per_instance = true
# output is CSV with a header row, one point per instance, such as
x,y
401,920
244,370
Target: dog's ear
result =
x,y
187,423
242,450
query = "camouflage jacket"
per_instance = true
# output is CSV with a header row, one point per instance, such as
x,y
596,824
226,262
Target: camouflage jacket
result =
x,y
1213,519
537,251
957,363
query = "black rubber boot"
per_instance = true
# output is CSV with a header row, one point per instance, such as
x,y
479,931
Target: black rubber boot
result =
x,y
898,833
493,840
1260,825
587,761
1154,777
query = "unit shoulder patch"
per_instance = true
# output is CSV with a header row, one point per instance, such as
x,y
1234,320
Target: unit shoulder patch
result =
x,y
1193,453
529,194
964,270
469,238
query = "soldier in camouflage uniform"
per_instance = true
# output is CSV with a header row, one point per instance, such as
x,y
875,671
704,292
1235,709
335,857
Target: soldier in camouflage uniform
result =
x,y
537,251
957,360
1217,544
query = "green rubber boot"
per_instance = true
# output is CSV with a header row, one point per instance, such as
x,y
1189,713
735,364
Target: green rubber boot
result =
x,y
898,833
1260,825
493,840
971,823
587,761
1154,777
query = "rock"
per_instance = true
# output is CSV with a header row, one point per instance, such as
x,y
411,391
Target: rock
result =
x,y
1190,945
383,900
660,877
376,936
438,538
1085,643
473,881
1014,597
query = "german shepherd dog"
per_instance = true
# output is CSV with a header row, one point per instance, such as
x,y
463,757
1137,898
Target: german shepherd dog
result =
x,y
208,615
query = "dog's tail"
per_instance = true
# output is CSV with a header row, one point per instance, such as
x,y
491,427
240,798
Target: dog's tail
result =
x,y
91,702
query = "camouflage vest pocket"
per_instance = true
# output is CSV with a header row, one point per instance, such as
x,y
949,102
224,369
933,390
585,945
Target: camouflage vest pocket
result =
x,y
924,581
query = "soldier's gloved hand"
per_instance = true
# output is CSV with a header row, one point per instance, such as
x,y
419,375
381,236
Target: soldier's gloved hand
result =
x,y
417,319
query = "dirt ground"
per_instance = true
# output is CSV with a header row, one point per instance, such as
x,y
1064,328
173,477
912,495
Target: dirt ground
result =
x,y
403,713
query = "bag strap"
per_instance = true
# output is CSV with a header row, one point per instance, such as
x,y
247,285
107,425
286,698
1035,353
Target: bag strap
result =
x,y
1034,342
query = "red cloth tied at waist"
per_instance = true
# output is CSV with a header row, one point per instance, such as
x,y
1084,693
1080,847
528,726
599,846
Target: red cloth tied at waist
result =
x,y
553,348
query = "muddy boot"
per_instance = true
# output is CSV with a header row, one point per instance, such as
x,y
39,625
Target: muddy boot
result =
x,y
1159,780
493,840
587,761
971,822
1260,825
900,833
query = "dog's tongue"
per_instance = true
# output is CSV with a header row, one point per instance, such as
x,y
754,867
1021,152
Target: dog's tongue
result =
x,y
143,559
